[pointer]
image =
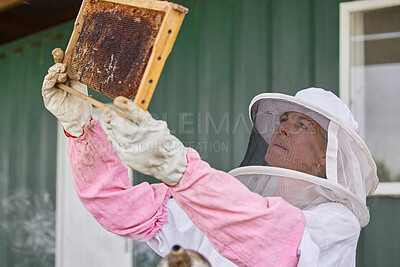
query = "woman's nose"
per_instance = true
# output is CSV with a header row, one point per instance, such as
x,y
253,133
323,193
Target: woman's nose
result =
x,y
284,129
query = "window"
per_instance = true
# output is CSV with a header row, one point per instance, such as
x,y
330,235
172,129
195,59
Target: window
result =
x,y
370,80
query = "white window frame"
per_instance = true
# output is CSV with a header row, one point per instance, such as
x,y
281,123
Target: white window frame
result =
x,y
346,10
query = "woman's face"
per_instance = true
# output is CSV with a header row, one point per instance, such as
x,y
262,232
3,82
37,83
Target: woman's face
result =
x,y
298,144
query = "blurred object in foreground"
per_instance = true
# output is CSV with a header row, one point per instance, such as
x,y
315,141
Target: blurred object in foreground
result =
x,y
180,257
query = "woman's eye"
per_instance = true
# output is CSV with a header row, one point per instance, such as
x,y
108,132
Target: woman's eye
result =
x,y
283,120
302,125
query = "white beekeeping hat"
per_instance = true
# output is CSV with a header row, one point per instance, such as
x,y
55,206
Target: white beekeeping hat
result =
x,y
350,169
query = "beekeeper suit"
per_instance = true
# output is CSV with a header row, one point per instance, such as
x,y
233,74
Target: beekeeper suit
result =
x,y
256,215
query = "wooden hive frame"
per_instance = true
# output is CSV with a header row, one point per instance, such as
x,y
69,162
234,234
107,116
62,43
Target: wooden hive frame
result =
x,y
164,41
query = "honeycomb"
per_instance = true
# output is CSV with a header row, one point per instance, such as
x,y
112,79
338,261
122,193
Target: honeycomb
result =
x,y
113,47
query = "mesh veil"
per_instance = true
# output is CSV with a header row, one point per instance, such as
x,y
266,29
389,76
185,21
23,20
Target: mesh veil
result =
x,y
256,150
349,173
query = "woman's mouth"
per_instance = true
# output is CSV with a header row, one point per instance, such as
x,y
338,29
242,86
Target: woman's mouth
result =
x,y
280,146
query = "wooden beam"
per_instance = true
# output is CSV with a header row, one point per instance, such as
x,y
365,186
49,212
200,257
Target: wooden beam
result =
x,y
14,25
7,4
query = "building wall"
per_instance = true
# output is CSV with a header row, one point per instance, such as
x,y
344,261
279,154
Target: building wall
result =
x,y
227,52
28,152
380,240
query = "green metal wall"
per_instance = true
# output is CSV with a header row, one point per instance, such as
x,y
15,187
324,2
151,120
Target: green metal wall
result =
x,y
28,152
227,52
380,241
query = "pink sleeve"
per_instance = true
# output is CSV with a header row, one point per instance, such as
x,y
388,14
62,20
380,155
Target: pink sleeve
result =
x,y
244,227
102,184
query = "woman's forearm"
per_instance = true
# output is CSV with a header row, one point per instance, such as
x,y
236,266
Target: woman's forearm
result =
x,y
102,184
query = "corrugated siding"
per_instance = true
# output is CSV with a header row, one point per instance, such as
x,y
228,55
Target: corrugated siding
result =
x,y
380,241
28,152
227,52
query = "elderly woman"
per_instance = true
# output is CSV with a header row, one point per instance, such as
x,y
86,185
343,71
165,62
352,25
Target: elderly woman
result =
x,y
298,199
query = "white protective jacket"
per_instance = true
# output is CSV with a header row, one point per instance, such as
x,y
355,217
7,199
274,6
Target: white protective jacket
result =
x,y
329,239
